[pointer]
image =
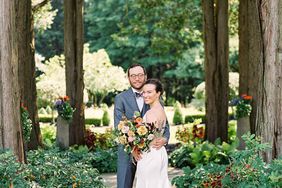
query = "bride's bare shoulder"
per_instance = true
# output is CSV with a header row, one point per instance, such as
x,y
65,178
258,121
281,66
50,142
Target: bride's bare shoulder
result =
x,y
154,115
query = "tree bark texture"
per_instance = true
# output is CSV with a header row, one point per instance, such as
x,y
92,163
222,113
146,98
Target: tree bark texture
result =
x,y
73,49
278,123
268,119
10,121
216,68
260,69
27,68
250,54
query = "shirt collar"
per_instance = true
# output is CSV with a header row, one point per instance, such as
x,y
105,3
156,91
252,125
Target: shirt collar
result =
x,y
134,90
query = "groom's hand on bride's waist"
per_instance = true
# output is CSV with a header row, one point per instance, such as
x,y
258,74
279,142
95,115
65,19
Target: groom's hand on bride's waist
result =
x,y
137,155
159,142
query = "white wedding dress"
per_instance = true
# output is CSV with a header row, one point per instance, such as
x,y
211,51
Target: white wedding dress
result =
x,y
152,169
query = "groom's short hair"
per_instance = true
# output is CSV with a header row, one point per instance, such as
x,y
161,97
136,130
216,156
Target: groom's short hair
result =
x,y
136,65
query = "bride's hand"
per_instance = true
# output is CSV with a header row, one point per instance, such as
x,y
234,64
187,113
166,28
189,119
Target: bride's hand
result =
x,y
159,142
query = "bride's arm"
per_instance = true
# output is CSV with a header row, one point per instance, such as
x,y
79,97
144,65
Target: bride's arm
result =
x,y
161,141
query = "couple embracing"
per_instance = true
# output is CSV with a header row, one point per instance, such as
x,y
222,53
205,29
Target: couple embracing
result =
x,y
150,167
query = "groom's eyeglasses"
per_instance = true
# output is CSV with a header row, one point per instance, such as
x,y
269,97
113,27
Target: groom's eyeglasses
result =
x,y
134,76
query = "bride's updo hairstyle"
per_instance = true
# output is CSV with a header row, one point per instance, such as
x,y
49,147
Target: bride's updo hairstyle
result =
x,y
157,83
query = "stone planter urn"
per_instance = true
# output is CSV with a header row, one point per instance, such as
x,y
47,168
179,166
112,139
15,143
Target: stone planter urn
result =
x,y
243,126
62,135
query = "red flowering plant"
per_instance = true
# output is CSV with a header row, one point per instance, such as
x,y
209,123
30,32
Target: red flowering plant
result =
x,y
135,134
194,132
242,105
64,108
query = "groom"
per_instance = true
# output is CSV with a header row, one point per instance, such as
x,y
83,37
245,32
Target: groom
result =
x,y
126,103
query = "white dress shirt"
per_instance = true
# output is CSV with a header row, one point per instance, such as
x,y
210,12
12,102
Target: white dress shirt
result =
x,y
139,100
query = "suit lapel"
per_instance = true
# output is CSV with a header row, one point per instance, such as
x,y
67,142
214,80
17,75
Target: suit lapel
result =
x,y
144,109
132,100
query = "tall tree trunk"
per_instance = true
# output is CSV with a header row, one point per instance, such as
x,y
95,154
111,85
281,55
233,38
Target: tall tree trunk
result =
x,y
73,49
10,122
260,69
250,54
278,123
27,68
216,68
268,119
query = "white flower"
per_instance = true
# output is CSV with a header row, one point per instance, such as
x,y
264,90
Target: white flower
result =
x,y
151,137
125,129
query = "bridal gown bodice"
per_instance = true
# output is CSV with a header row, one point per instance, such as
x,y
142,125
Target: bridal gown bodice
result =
x,y
152,169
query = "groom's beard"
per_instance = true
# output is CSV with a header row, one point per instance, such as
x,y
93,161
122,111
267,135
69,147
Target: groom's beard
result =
x,y
137,88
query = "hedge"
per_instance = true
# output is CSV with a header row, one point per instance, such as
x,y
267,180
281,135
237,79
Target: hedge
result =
x,y
191,118
89,121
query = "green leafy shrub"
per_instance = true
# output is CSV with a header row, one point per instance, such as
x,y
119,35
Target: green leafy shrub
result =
x,y
190,132
177,116
100,140
106,118
245,168
232,126
192,118
26,124
93,121
48,133
53,168
88,121
193,154
45,119
195,131
9,168
276,173
105,160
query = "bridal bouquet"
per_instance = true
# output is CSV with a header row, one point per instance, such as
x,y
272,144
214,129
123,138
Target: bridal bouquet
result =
x,y
135,134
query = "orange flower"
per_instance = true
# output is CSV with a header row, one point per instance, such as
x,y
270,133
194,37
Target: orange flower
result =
x,y
138,120
247,97
66,98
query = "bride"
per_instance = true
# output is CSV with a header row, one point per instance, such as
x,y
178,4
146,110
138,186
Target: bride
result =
x,y
152,166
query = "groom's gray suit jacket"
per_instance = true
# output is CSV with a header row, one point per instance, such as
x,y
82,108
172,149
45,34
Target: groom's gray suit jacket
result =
x,y
125,104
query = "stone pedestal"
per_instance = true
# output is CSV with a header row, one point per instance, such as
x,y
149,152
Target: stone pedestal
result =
x,y
62,135
243,126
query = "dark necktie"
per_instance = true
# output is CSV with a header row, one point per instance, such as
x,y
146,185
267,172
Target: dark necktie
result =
x,y
138,94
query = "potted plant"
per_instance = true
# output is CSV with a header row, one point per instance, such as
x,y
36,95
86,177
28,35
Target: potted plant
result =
x,y
243,109
65,114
